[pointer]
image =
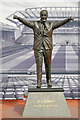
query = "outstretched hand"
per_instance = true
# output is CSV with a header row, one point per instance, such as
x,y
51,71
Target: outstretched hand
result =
x,y
71,18
15,17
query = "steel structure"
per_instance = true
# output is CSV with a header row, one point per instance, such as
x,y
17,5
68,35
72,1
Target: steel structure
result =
x,y
54,13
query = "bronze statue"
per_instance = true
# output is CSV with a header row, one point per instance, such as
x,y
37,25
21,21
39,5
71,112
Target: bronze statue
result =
x,y
43,45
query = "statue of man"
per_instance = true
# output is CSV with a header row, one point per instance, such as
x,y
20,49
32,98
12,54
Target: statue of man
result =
x,y
43,44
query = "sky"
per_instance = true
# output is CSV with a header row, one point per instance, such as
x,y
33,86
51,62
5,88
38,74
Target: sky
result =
x,y
8,7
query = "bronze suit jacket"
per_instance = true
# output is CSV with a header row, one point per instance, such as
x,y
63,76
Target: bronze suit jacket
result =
x,y
43,33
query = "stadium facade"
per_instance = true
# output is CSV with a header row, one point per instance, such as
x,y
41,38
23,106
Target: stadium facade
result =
x,y
18,63
67,33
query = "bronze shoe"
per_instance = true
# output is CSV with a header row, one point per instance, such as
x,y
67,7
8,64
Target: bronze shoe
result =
x,y
38,86
49,85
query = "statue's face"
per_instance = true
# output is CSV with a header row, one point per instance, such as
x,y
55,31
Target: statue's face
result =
x,y
43,16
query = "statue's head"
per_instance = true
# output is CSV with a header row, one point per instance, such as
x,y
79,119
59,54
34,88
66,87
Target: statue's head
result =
x,y
44,15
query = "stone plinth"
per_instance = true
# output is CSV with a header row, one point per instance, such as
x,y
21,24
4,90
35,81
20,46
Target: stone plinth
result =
x,y
46,103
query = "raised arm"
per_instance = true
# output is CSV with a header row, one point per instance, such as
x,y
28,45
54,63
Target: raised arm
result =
x,y
60,23
25,22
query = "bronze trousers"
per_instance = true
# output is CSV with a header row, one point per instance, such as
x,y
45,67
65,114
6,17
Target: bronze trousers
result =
x,y
39,55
